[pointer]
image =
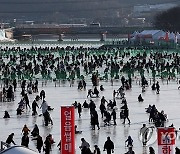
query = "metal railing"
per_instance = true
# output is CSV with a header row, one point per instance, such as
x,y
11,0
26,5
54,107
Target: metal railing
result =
x,y
4,146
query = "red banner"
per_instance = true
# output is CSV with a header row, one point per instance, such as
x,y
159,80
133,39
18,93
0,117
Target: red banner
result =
x,y
166,140
67,130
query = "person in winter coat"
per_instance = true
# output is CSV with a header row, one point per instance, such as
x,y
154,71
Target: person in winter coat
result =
x,y
26,99
102,109
35,131
34,105
92,106
153,87
96,150
85,104
177,150
42,94
113,114
59,145
109,146
39,143
96,92
129,141
126,115
94,120
151,150
6,114
157,87
140,99
84,143
84,146
77,131
152,113
44,106
90,92
10,140
130,151
79,109
10,94
25,130
123,81
86,150
51,139
103,100
47,118
36,86
107,119
25,140
47,144
80,85
14,84
144,133
101,88
84,84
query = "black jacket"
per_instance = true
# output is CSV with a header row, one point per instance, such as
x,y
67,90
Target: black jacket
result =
x,y
108,145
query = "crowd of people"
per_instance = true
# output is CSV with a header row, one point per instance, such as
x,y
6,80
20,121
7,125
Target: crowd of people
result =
x,y
23,105
65,63
19,68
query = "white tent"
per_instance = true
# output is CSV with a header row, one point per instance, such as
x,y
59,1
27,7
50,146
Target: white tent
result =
x,y
148,35
133,35
3,37
18,150
172,36
178,36
2,34
153,34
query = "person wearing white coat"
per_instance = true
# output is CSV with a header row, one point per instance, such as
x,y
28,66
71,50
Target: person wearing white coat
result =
x,y
44,106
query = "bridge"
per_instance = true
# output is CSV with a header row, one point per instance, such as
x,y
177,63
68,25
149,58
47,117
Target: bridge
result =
x,y
36,29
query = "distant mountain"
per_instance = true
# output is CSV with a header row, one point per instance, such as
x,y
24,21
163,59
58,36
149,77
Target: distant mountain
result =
x,y
69,11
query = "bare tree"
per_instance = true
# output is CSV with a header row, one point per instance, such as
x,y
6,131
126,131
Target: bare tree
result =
x,y
168,20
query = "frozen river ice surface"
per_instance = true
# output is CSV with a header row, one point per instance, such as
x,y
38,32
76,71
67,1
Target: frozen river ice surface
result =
x,y
62,95
167,100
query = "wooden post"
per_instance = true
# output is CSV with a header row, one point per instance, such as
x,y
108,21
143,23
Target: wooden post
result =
x,y
60,38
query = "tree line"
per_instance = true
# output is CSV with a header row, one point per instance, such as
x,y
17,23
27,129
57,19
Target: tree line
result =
x,y
168,20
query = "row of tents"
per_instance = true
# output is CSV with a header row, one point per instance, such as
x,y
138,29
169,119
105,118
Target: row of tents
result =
x,y
154,36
